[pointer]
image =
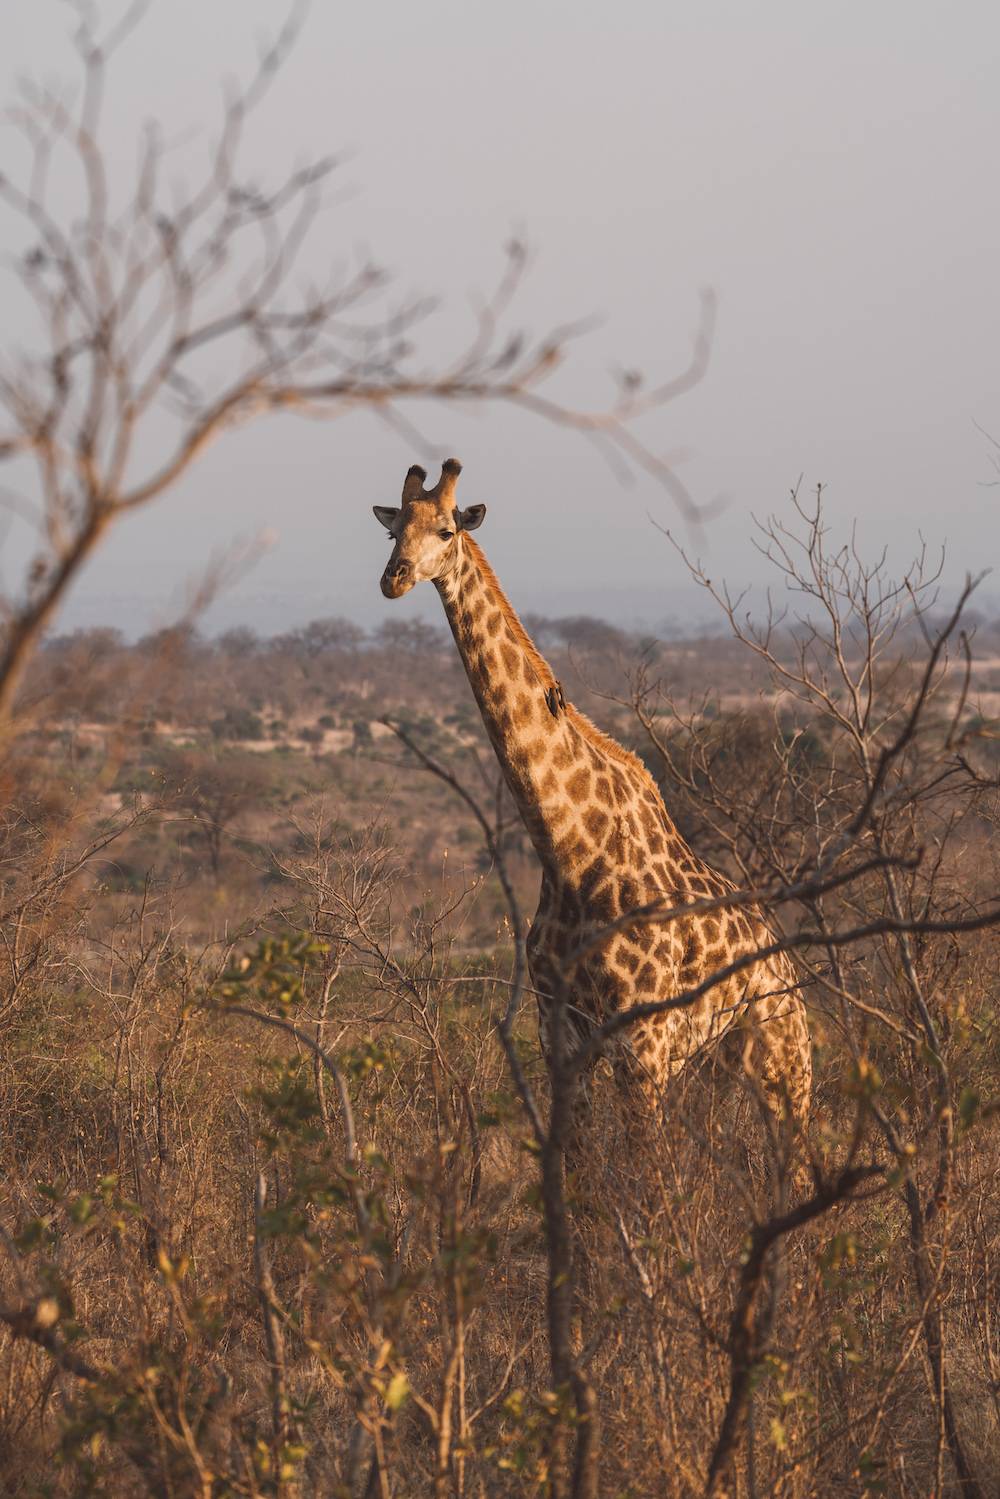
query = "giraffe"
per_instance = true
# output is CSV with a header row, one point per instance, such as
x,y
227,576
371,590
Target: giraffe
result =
x,y
604,838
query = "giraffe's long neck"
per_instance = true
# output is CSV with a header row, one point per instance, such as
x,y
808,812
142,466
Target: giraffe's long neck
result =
x,y
533,738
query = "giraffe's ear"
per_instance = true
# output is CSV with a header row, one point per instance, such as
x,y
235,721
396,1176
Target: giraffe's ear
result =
x,y
385,514
471,517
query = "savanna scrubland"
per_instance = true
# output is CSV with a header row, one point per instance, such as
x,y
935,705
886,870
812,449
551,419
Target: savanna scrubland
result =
x,y
288,1204
274,1213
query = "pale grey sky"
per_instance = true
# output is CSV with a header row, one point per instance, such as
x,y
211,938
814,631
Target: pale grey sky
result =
x,y
829,169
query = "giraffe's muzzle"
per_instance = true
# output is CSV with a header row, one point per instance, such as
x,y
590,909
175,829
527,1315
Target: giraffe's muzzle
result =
x,y
397,579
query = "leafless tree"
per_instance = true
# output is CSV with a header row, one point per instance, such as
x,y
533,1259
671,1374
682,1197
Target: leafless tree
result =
x,y
186,315
864,839
214,790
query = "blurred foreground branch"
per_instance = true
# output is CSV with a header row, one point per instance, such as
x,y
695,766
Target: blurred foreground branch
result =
x,y
161,321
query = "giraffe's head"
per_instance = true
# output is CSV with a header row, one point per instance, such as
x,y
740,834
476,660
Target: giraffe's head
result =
x,y
425,529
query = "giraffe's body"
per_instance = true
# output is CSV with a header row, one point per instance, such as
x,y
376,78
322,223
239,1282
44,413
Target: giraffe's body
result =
x,y
605,842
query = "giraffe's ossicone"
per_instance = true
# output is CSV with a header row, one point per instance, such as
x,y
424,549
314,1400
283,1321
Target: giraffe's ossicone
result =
x,y
606,842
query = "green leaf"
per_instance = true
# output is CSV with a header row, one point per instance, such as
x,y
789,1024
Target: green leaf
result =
x,y
398,1391
81,1208
968,1107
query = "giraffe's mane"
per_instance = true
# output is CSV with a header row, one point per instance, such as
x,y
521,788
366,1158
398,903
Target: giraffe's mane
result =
x,y
546,676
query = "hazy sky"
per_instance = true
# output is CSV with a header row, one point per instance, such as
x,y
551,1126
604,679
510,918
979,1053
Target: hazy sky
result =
x,y
829,169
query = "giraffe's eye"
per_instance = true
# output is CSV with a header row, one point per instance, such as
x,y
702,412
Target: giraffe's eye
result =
x,y
446,535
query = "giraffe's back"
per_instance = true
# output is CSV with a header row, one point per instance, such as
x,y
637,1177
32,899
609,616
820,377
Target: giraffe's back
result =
x,y
622,852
